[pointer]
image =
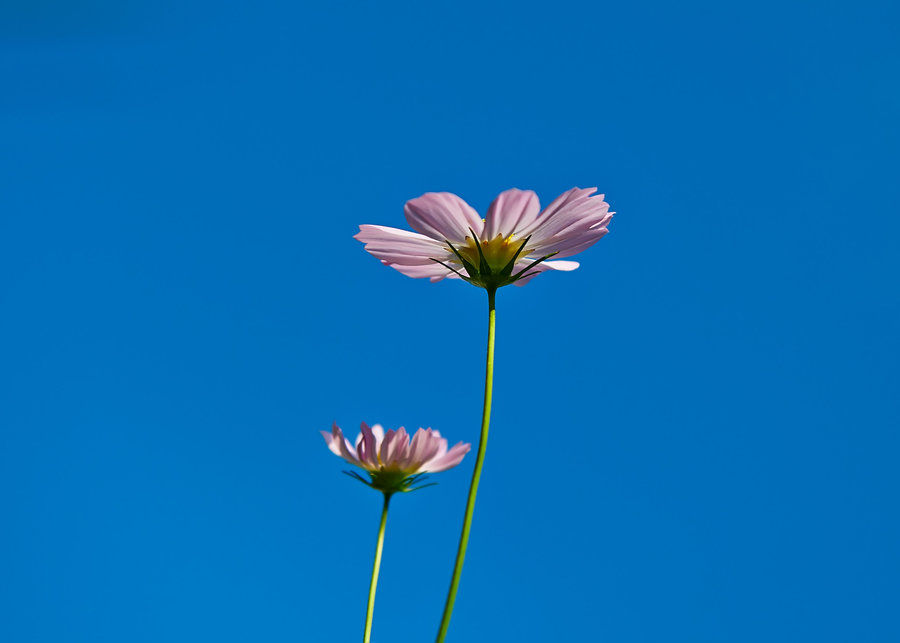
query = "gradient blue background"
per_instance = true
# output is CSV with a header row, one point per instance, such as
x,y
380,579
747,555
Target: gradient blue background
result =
x,y
695,435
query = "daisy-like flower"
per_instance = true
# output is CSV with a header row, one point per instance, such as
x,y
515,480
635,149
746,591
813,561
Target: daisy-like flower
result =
x,y
393,461
394,464
511,244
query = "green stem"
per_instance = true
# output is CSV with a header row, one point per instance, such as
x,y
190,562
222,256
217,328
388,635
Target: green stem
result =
x,y
370,609
476,474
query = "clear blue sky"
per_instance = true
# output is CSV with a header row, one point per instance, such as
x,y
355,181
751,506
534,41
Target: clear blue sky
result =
x,y
696,433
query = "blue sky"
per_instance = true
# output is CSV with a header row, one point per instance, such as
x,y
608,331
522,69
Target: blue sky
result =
x,y
695,434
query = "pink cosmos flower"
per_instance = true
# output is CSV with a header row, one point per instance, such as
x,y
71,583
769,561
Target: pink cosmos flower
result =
x,y
510,245
392,460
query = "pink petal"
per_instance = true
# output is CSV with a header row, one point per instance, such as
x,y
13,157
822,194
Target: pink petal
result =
x,y
543,267
565,266
582,209
571,228
574,244
424,446
367,448
566,200
331,442
571,213
415,445
512,210
450,459
394,456
443,216
385,450
399,246
346,450
435,271
442,445
524,280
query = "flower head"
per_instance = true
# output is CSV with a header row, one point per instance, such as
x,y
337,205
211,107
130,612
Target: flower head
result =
x,y
510,245
393,461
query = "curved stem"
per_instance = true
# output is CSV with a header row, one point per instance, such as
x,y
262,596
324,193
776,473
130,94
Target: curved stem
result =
x,y
476,474
379,545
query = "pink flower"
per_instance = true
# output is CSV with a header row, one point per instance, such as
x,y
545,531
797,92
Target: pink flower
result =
x,y
510,245
392,460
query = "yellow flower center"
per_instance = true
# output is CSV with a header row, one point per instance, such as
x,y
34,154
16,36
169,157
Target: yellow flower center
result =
x,y
498,251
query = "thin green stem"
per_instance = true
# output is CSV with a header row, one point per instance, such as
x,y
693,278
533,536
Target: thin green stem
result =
x,y
379,545
476,474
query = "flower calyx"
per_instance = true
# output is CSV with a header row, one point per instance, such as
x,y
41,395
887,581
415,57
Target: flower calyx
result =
x,y
491,264
391,482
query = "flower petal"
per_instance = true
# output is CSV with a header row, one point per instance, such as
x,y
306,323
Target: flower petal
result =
x,y
386,446
435,271
573,241
571,214
367,447
393,245
565,266
572,222
450,459
566,200
346,449
332,442
443,216
512,210
385,449
423,448
394,456
584,219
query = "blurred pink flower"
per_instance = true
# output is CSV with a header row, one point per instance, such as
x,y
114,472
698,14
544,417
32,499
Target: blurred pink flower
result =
x,y
393,461
514,240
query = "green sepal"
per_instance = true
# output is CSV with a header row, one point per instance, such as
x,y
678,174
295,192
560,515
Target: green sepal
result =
x,y
469,266
483,275
484,268
521,273
392,481
508,268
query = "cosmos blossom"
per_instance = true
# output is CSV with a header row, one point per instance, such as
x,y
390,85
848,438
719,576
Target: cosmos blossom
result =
x,y
511,244
391,458
394,463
